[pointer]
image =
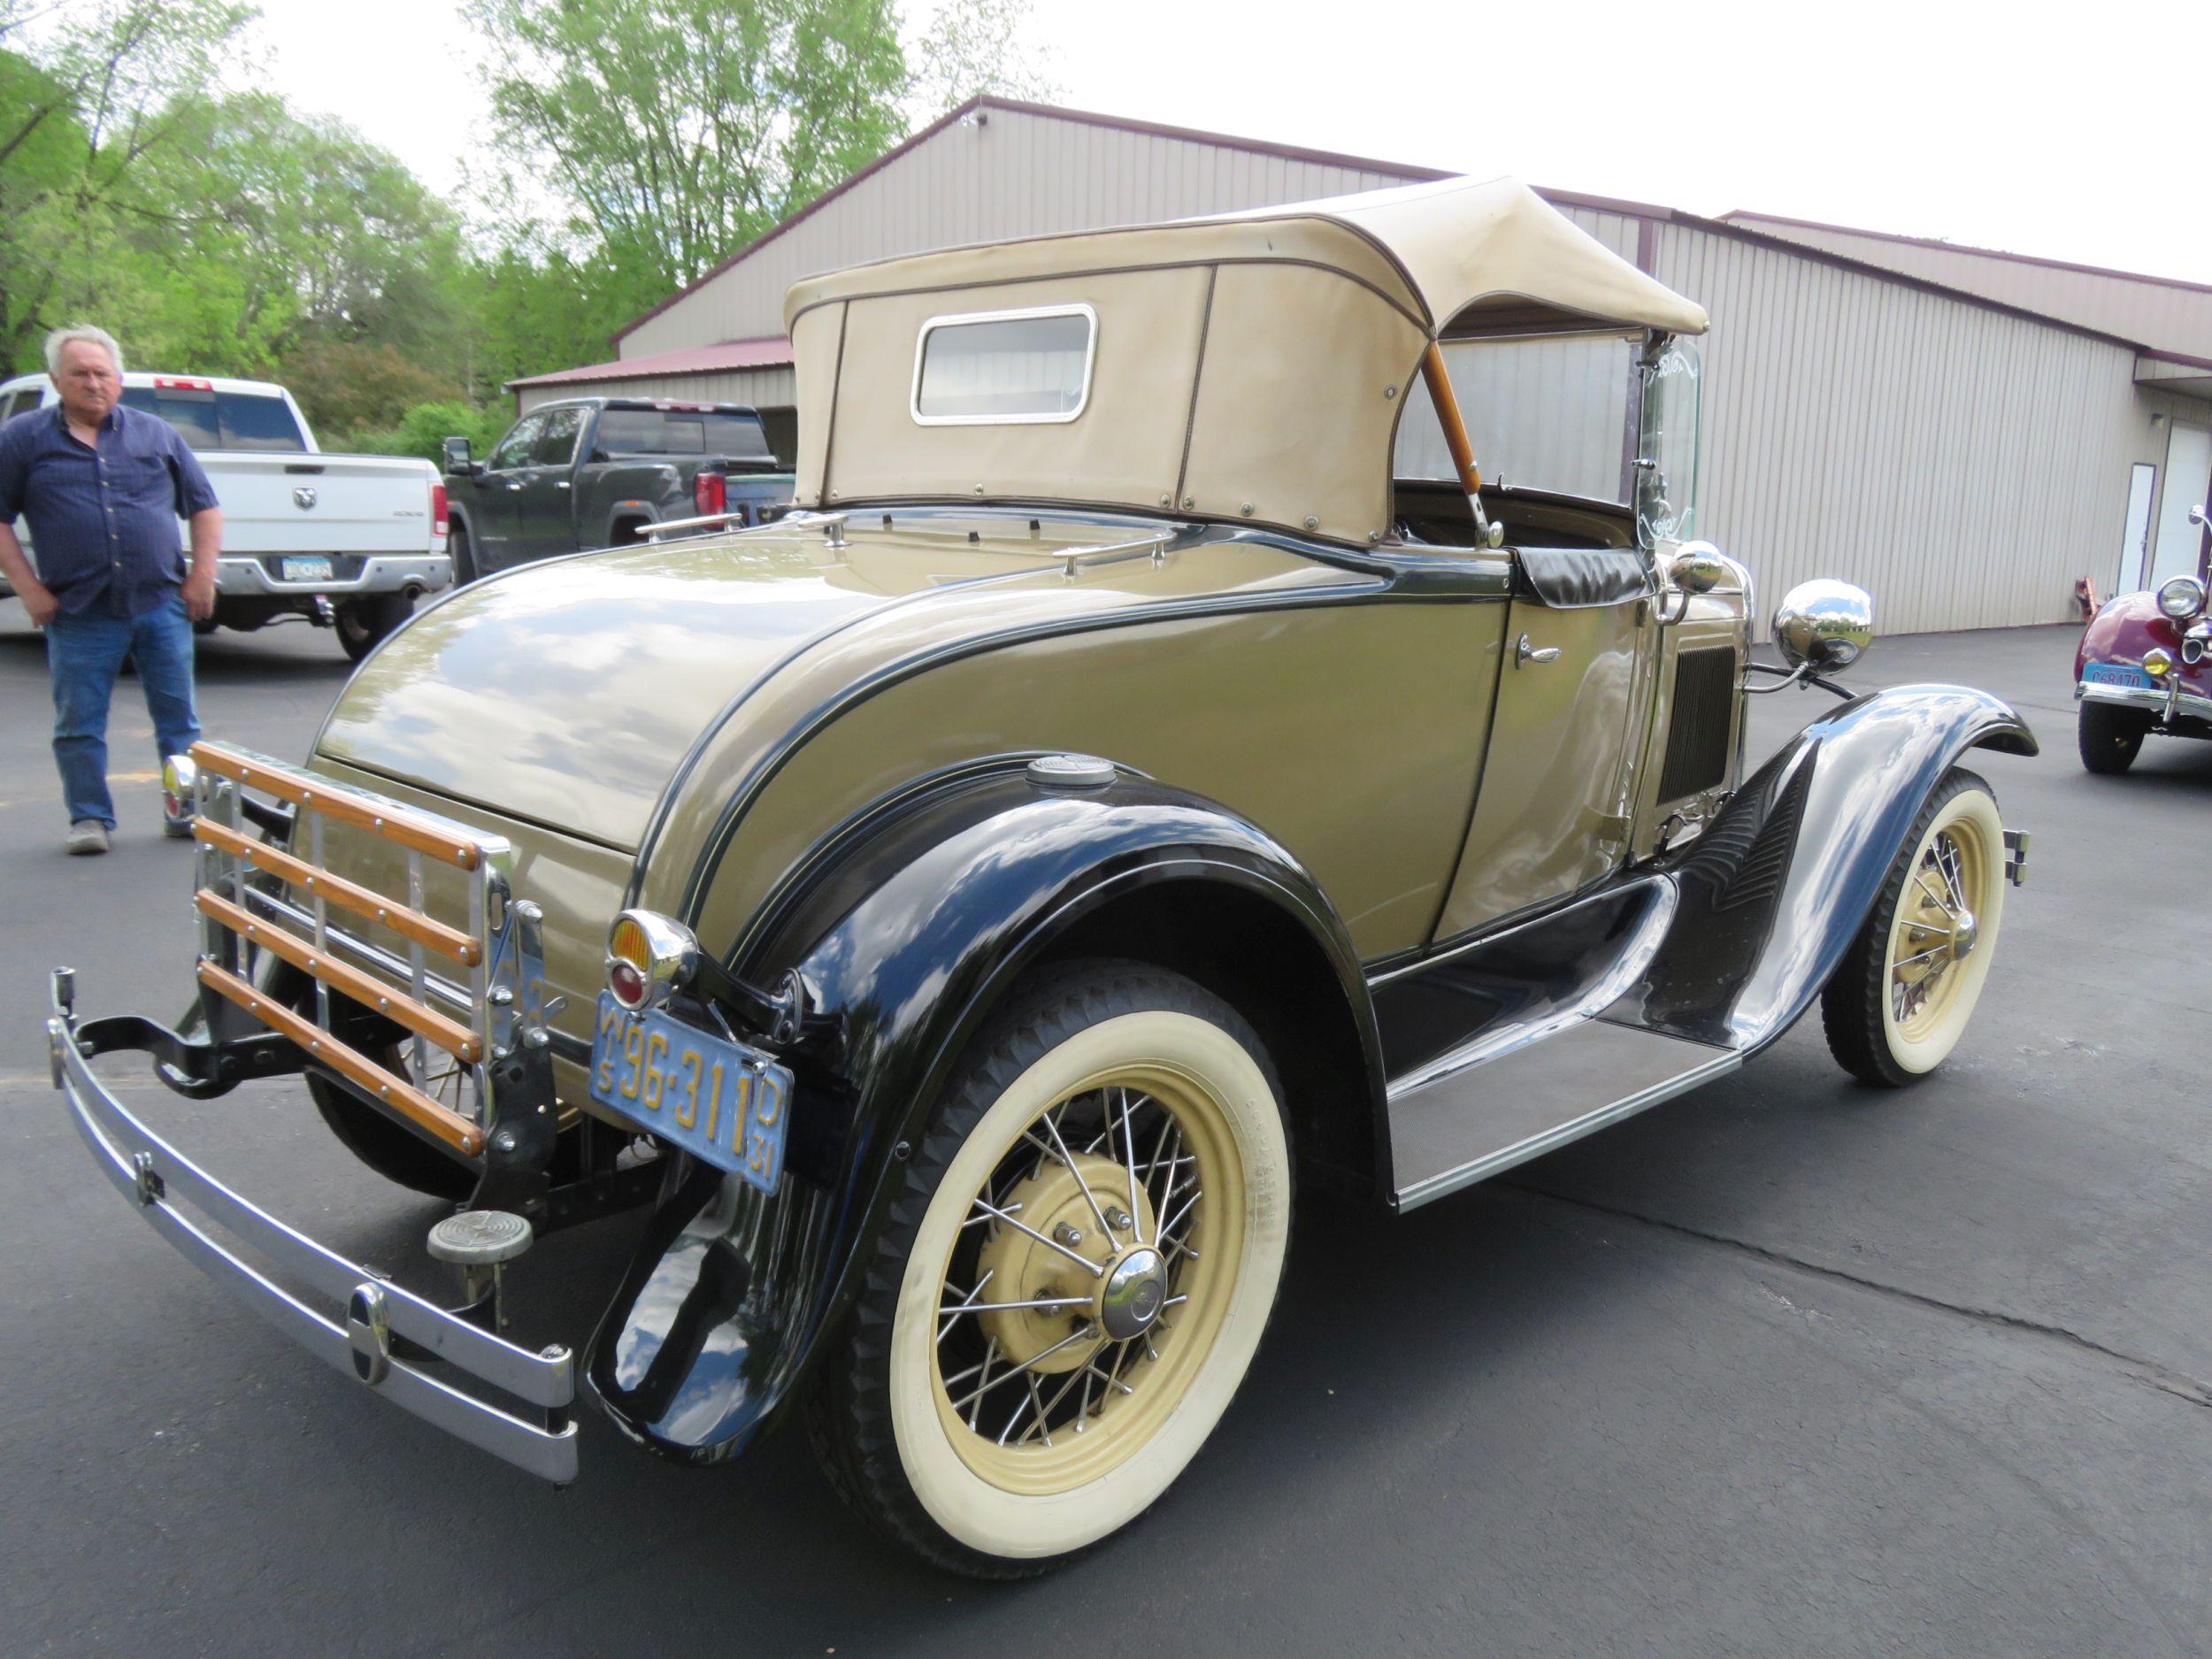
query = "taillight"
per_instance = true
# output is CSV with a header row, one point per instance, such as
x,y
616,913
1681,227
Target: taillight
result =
x,y
437,510
183,383
649,957
709,493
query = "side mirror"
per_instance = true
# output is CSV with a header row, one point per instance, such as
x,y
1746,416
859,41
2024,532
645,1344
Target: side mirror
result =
x,y
456,456
1697,567
1824,625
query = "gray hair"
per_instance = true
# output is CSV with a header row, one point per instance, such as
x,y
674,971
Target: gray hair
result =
x,y
62,337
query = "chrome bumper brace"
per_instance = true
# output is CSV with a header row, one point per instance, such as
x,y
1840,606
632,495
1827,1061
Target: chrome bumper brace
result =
x,y
386,1338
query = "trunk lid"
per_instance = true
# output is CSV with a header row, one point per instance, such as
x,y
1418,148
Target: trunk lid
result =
x,y
567,693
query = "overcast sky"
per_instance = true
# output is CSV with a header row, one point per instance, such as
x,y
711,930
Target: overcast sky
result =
x,y
2080,133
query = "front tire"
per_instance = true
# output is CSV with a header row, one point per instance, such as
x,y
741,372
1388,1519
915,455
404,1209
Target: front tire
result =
x,y
464,555
2109,737
1899,1001
1132,1118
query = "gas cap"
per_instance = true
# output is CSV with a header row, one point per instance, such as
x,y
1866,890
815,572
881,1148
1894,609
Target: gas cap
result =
x,y
1071,771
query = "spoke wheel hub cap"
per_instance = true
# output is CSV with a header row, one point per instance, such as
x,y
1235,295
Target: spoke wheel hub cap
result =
x,y
1021,1268
1131,1298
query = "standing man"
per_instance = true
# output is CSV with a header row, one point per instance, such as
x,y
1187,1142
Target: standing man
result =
x,y
102,487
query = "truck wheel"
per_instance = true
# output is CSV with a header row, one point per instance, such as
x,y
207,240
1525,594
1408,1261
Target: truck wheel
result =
x,y
2109,736
1899,1000
464,556
362,623
1082,1255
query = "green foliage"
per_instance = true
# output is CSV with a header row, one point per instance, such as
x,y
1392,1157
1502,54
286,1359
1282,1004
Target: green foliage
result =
x,y
99,96
219,232
344,386
534,308
423,429
680,129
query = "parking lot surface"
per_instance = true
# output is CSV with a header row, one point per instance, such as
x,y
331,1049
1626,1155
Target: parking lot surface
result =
x,y
1785,1366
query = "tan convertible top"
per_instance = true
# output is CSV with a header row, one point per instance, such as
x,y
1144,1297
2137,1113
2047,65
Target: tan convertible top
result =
x,y
1249,365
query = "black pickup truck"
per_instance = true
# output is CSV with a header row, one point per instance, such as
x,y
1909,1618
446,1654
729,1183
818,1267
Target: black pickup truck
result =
x,y
594,472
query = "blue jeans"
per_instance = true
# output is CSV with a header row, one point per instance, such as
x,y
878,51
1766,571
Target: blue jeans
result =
x,y
83,656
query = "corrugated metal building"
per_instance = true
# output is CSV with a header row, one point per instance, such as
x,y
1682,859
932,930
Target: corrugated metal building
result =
x,y
1965,453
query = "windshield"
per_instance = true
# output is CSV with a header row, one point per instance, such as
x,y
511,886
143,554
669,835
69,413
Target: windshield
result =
x,y
222,420
1544,414
1666,447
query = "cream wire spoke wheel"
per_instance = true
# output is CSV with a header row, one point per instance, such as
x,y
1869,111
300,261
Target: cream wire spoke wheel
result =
x,y
1900,1000
1104,1214
1088,1297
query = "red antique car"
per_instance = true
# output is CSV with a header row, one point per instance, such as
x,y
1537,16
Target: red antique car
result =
x,y
2142,670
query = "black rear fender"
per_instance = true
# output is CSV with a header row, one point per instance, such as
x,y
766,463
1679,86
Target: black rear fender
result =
x,y
908,928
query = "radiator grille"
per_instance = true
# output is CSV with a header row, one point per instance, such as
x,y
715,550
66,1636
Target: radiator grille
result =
x,y
1697,733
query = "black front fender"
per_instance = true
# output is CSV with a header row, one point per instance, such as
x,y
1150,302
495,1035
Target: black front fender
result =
x,y
1775,890
907,929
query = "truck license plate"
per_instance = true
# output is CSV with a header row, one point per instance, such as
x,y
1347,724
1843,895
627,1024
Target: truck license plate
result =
x,y
2115,674
306,569
720,1101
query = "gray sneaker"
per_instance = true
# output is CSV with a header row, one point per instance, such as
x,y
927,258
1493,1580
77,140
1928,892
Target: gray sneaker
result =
x,y
88,835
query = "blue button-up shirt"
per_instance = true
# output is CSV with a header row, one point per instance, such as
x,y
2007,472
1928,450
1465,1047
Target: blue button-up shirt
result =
x,y
103,521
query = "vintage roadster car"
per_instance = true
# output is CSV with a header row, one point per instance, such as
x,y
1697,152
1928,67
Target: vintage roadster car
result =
x,y
963,916
2142,669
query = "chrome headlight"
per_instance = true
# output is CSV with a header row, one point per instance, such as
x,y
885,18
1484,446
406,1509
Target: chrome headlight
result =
x,y
649,957
1826,624
2181,597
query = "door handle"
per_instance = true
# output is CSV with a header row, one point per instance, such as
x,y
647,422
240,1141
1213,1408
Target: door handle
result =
x,y
1526,653
514,484
561,483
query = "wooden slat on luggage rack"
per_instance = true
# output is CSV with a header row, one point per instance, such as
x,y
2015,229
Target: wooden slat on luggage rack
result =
x,y
334,801
447,1124
449,942
451,1035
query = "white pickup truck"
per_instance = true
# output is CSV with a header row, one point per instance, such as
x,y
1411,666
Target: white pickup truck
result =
x,y
349,542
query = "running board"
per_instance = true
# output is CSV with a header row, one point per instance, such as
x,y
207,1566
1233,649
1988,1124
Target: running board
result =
x,y
1465,1125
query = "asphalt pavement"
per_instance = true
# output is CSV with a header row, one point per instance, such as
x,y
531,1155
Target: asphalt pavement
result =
x,y
1787,1366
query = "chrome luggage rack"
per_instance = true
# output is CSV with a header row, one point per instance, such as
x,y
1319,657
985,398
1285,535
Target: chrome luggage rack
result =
x,y
467,1024
283,989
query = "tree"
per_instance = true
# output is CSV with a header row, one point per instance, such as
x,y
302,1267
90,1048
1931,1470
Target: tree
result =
x,y
91,93
970,47
676,130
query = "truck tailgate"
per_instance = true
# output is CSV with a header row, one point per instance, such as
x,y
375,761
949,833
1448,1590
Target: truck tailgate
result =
x,y
322,503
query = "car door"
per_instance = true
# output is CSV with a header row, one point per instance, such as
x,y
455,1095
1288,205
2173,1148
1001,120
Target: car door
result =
x,y
494,505
1554,808
545,506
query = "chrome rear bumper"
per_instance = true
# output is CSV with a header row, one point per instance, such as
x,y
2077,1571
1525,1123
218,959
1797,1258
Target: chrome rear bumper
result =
x,y
386,1338
244,576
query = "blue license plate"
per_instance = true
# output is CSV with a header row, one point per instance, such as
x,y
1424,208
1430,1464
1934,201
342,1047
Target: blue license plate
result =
x,y
720,1101
2115,674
